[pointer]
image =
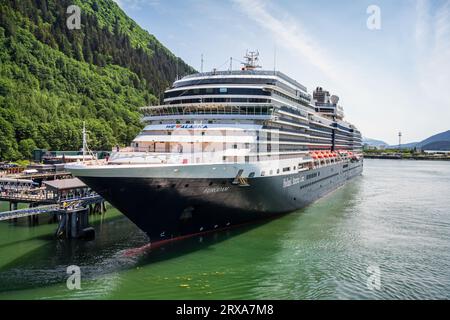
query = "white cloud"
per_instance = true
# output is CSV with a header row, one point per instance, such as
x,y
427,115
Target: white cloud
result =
x,y
422,21
337,74
379,100
289,33
433,60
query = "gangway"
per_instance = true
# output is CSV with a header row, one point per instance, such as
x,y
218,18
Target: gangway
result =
x,y
61,208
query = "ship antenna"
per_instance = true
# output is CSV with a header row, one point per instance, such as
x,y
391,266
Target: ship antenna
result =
x,y
84,140
85,148
274,59
201,63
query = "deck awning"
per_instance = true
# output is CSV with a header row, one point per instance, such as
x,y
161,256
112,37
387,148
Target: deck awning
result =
x,y
65,184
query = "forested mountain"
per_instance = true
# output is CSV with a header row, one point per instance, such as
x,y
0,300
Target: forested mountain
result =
x,y
53,78
437,146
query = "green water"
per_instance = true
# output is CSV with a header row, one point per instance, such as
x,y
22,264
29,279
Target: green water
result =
x,y
395,217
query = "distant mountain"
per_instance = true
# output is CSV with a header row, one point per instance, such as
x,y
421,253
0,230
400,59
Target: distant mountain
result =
x,y
440,137
437,146
373,142
440,141
410,145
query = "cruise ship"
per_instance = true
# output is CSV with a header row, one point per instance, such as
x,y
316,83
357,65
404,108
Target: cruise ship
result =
x,y
228,148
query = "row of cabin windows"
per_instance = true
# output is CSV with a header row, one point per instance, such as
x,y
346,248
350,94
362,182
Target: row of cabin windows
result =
x,y
244,110
286,169
294,111
285,128
223,81
343,128
320,128
294,129
301,101
292,120
220,100
206,91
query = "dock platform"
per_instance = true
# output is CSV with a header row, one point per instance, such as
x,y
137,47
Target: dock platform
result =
x,y
68,199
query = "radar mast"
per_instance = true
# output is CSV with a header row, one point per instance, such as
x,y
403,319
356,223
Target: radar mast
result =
x,y
251,60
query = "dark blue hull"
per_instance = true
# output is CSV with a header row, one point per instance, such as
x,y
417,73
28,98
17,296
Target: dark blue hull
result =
x,y
172,208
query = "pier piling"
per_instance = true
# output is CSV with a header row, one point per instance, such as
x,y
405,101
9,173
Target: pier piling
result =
x,y
74,224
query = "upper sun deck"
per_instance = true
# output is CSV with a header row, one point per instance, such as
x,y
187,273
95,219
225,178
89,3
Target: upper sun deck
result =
x,y
238,77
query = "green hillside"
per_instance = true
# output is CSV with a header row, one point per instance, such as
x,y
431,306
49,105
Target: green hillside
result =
x,y
52,78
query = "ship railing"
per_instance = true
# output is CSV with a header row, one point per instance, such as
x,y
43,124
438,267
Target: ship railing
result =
x,y
93,162
130,149
209,108
133,157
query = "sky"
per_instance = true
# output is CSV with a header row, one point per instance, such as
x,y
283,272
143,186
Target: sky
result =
x,y
392,73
